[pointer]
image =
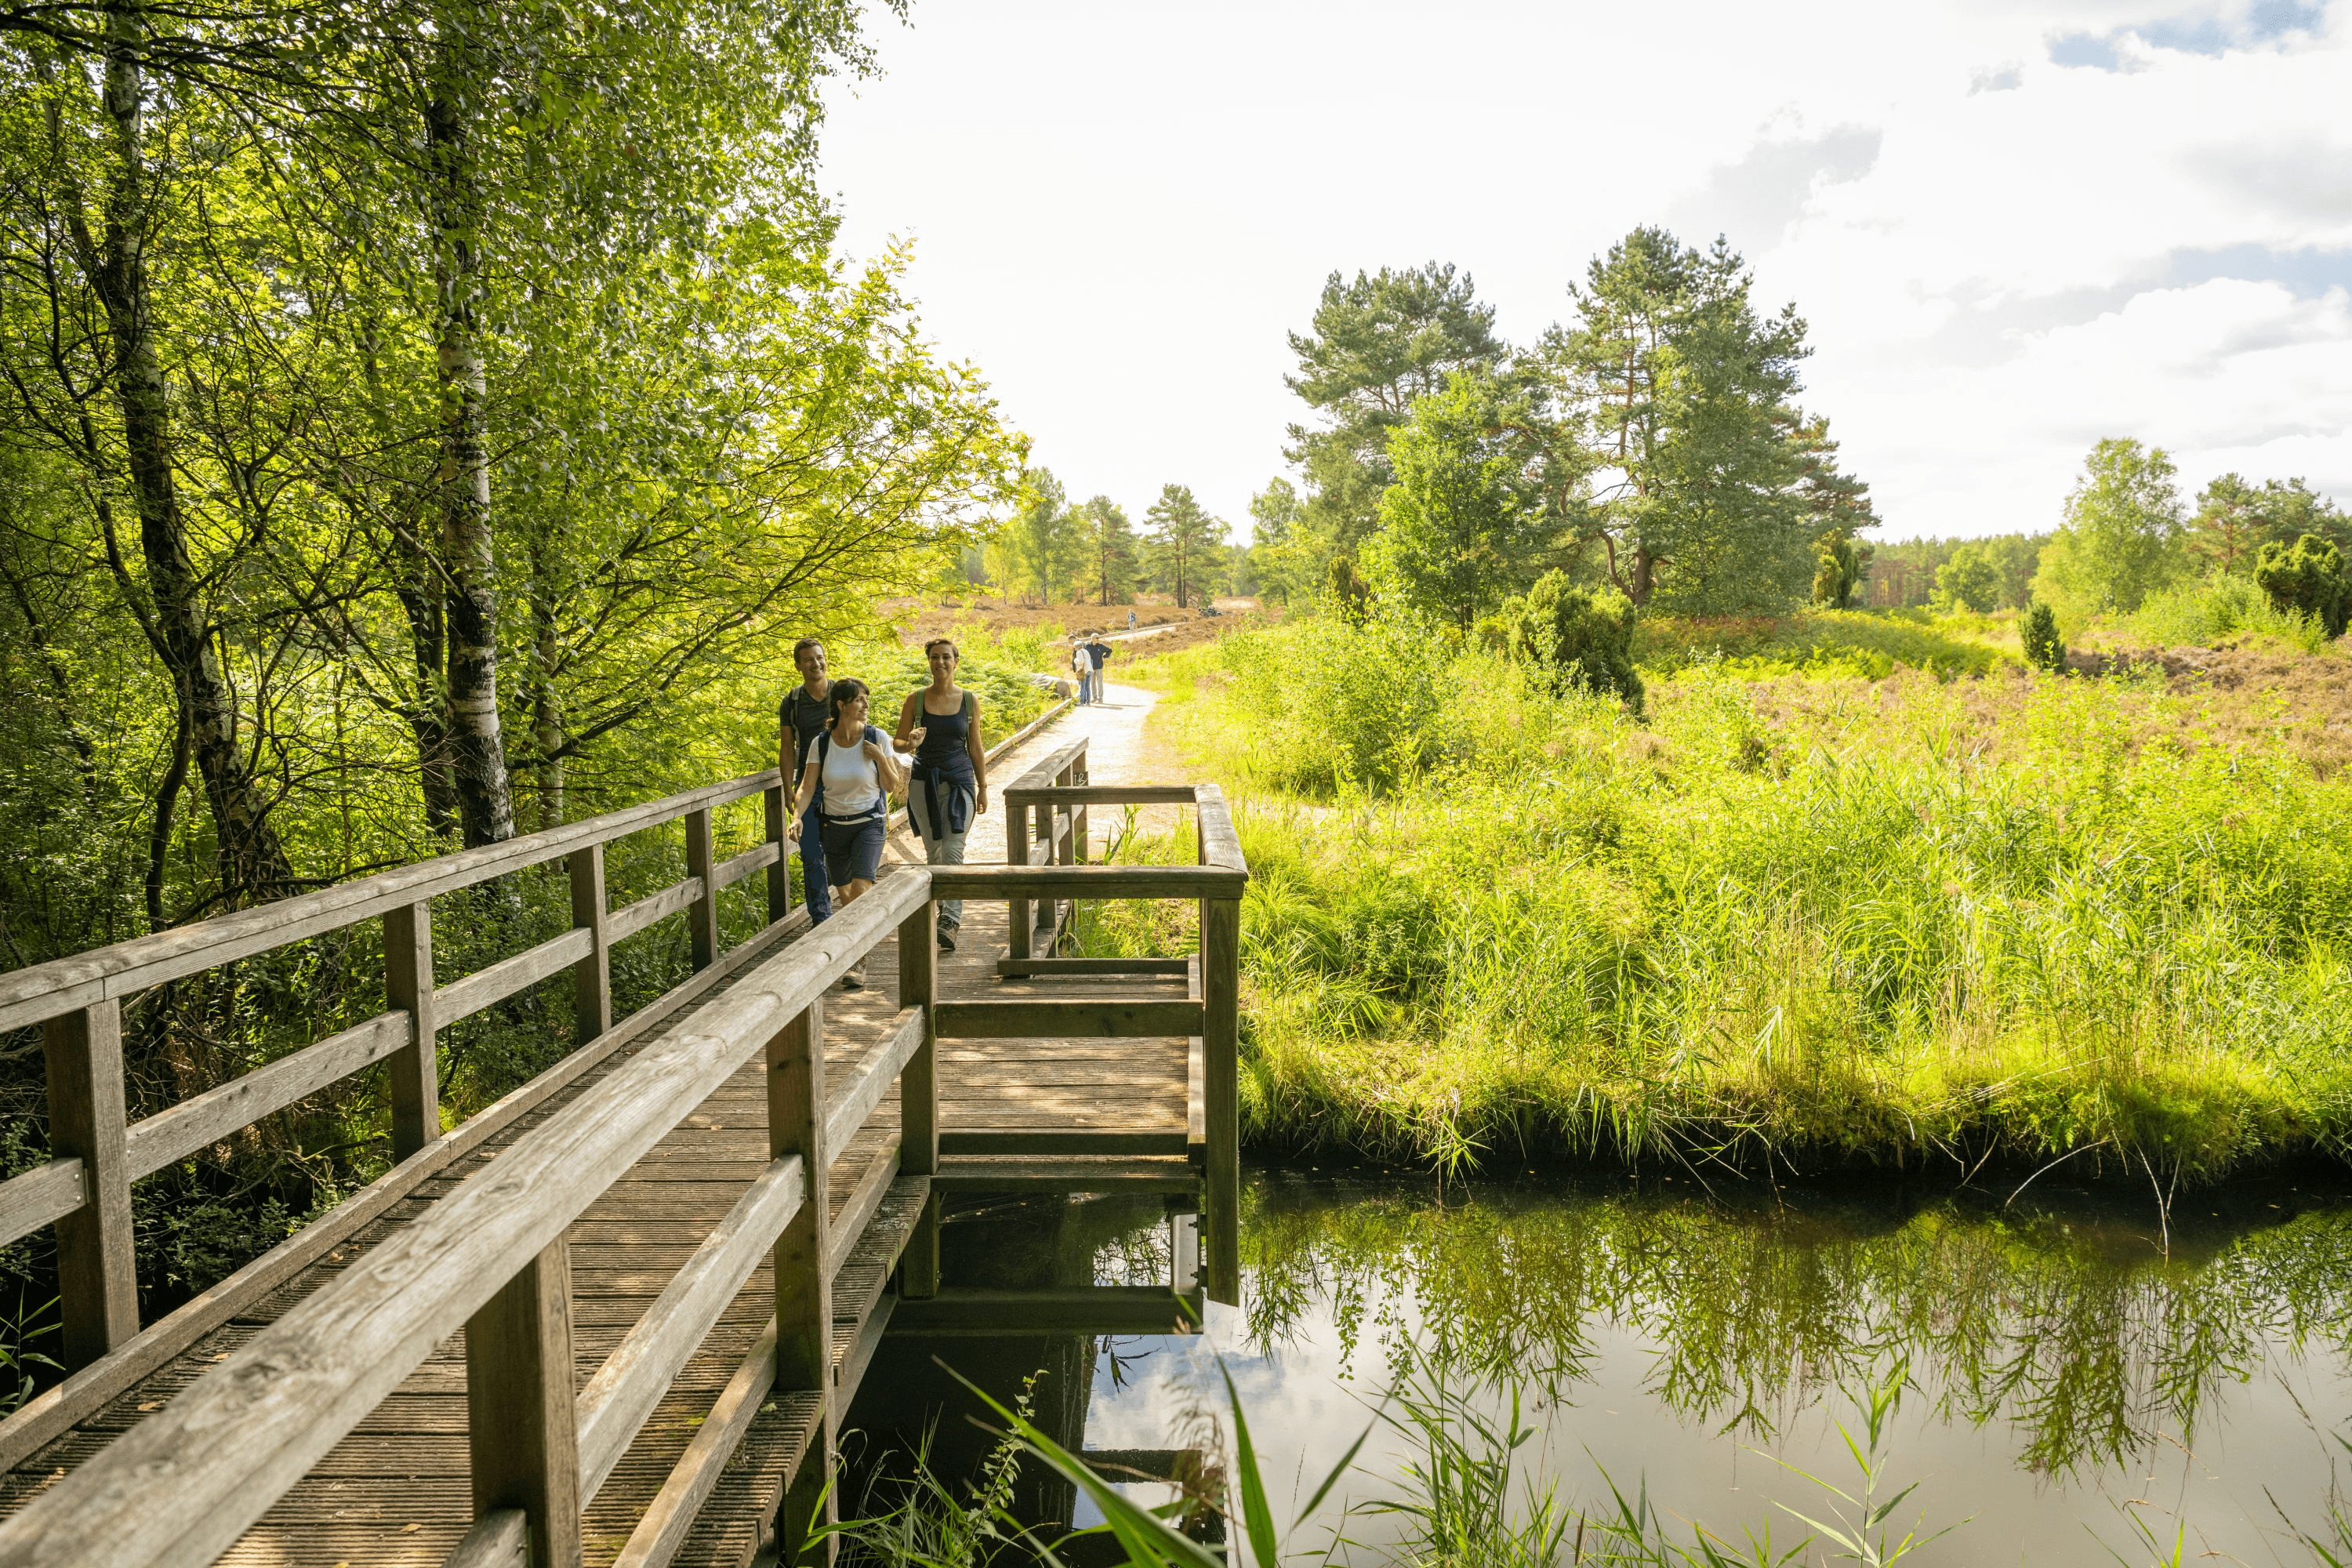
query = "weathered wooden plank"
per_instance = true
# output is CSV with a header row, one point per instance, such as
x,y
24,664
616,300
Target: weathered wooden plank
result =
x,y
1066,1173
702,917
415,1075
498,1540
592,977
1220,1034
98,1285
1219,846
630,918
40,1197
780,870
671,1514
804,1285
464,998
1101,794
1077,1309
522,1434
179,1487
639,1371
1033,882
735,867
1030,966
41,991
206,1119
1094,1018
870,1330
1064,1140
846,1232
876,1072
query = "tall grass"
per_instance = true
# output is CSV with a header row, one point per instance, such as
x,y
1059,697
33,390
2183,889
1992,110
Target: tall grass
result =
x,y
1806,921
2220,607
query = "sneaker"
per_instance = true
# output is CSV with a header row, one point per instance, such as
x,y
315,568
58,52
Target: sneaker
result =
x,y
947,939
853,978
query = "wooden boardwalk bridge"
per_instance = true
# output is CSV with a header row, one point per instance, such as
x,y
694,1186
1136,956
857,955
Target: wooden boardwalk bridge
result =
x,y
616,1317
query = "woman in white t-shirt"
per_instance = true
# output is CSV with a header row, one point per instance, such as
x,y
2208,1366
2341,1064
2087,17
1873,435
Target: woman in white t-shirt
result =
x,y
851,774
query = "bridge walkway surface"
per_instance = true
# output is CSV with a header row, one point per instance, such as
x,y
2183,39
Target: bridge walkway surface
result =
x,y
1027,1099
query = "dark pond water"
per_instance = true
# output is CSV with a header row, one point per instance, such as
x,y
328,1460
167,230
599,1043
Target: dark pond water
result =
x,y
2076,1373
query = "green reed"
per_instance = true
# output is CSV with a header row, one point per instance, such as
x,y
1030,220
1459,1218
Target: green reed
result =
x,y
1797,923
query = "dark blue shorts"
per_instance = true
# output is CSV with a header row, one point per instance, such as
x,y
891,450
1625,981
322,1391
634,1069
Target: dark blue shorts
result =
x,y
853,849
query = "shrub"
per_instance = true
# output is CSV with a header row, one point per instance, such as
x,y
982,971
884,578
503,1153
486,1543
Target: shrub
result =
x,y
2203,614
2308,580
1582,639
2038,630
1967,582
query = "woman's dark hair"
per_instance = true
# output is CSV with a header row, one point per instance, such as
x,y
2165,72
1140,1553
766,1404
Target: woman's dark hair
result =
x,y
849,690
947,642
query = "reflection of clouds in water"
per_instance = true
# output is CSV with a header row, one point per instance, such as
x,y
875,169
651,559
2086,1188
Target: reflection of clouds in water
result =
x,y
2060,1363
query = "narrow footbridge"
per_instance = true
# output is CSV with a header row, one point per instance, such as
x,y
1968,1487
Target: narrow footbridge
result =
x,y
616,1317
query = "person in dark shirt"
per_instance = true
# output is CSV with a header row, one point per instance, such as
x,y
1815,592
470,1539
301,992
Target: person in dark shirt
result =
x,y
800,719
947,785
1099,655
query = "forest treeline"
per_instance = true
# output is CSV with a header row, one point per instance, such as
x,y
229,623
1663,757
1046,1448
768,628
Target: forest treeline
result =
x,y
413,415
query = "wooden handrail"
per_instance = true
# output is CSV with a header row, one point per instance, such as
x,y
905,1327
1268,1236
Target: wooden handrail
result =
x,y
179,1488
43,991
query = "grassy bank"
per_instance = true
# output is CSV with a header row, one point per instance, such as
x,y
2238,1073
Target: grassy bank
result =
x,y
1816,921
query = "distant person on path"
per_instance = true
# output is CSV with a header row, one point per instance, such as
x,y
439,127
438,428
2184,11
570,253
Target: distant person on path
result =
x,y
800,719
1081,667
847,776
1130,620
1098,654
947,785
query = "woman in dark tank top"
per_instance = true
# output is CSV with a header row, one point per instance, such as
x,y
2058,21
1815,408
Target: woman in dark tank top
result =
x,y
947,785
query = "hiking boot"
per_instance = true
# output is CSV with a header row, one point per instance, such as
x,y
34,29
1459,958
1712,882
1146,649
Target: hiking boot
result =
x,y
947,939
854,977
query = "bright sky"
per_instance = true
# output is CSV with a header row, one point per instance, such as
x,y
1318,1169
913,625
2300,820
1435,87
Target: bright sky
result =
x,y
2013,228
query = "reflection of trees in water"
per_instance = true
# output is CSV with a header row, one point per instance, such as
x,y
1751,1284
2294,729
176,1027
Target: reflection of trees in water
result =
x,y
2077,1331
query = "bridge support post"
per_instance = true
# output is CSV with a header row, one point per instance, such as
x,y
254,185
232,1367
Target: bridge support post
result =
x,y
523,1424
97,1281
803,1290
1221,921
918,1099
415,1068
592,977
780,874
702,915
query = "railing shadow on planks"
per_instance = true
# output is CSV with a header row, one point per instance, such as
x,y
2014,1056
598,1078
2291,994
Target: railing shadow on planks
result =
x,y
182,1485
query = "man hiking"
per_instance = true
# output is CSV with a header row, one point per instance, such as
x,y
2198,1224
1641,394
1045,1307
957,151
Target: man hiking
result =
x,y
803,715
1098,654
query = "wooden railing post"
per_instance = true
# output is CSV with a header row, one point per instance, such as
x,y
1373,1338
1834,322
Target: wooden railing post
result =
x,y
1221,920
702,915
803,1292
1016,853
523,1421
415,1068
780,875
918,1097
97,1281
592,977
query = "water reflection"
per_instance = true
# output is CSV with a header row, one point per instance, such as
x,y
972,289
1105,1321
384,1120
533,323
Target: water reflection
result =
x,y
2063,1315
2070,1371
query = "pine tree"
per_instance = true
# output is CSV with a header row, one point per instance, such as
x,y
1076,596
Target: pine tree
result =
x,y
1110,550
1183,544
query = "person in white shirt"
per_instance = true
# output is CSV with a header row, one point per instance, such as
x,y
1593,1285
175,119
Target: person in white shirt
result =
x,y
849,775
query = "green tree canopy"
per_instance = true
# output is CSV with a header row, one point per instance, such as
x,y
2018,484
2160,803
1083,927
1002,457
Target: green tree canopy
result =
x,y
1460,524
1713,487
1968,582
2124,537
1184,545
1375,344
1108,543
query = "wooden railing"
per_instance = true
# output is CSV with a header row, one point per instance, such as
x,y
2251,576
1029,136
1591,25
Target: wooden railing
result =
x,y
181,1487
98,1151
1045,843
490,1257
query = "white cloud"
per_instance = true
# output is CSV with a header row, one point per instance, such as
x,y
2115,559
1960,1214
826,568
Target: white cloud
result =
x,y
1122,209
